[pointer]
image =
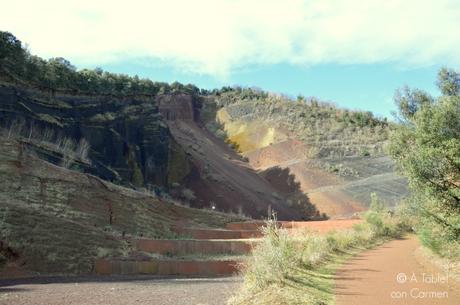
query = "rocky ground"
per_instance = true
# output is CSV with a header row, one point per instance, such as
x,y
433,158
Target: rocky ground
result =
x,y
118,291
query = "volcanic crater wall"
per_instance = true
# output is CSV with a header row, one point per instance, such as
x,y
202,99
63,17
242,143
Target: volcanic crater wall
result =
x,y
154,142
177,107
129,142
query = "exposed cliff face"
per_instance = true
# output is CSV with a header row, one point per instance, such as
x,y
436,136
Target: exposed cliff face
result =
x,y
222,179
178,107
219,177
150,142
129,143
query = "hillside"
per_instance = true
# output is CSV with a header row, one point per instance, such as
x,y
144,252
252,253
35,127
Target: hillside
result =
x,y
337,156
91,159
235,150
142,143
56,220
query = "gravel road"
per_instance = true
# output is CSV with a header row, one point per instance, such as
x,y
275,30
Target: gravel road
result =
x,y
117,291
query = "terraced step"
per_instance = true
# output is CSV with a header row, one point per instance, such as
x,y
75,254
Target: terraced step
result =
x,y
165,267
181,247
319,226
322,226
196,233
246,225
209,244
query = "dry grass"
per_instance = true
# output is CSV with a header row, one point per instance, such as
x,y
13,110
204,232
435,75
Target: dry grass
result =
x,y
48,139
299,268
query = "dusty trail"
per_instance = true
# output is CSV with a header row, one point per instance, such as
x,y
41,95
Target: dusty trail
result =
x,y
391,274
138,290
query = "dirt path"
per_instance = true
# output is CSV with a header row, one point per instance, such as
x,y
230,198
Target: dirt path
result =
x,y
118,291
391,274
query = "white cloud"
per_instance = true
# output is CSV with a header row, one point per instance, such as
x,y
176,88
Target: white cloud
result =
x,y
218,36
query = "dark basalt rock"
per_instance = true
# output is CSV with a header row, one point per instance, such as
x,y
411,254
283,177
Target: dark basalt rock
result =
x,y
129,142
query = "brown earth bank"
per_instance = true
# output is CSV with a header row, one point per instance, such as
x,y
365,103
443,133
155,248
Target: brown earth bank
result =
x,y
54,220
58,221
223,180
392,274
338,188
117,290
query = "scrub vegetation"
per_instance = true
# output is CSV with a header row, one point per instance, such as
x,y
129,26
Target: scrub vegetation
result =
x,y
58,74
298,268
426,148
327,129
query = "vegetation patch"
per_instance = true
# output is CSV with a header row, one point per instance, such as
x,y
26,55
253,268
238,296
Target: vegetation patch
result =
x,y
426,148
329,131
299,268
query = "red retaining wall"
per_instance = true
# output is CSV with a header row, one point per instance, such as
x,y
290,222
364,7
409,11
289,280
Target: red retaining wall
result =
x,y
208,268
320,226
252,225
217,234
165,267
178,247
108,267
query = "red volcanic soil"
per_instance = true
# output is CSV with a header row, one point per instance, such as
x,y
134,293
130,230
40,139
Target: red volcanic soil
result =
x,y
391,275
223,178
291,155
335,203
278,153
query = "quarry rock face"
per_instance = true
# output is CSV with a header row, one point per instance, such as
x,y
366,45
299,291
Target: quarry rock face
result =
x,y
178,107
129,143
158,143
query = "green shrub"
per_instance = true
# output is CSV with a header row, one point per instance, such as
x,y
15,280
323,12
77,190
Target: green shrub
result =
x,y
283,258
426,149
383,221
384,224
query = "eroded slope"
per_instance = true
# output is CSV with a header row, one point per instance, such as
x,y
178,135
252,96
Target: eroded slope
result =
x,y
57,220
336,156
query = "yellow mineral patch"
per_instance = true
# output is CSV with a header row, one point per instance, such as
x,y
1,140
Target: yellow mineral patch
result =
x,y
235,128
223,117
269,138
248,136
243,141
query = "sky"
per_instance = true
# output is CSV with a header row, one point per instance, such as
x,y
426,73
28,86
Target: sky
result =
x,y
354,53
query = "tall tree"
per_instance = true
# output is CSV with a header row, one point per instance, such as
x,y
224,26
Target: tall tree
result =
x,y
426,148
12,55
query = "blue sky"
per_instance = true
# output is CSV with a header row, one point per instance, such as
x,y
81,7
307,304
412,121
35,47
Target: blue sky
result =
x,y
358,86
352,52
